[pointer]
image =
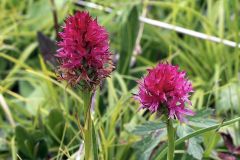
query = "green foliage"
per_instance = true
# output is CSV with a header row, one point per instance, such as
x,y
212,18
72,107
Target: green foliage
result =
x,y
49,116
31,143
147,128
146,146
129,31
194,147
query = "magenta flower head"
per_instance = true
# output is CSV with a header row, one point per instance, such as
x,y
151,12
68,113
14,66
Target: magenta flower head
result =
x,y
83,53
165,90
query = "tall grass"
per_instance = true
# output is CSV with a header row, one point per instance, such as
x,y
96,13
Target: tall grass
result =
x,y
34,97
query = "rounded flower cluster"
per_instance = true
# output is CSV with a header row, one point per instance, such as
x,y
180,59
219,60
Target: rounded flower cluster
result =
x,y
83,52
166,90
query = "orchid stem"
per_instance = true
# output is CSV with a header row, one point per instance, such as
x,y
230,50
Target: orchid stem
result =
x,y
88,145
171,135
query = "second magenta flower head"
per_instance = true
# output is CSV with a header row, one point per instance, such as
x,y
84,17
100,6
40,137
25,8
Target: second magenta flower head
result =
x,y
84,54
165,89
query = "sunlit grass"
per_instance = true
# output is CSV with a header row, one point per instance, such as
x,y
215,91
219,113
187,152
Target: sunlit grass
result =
x,y
31,91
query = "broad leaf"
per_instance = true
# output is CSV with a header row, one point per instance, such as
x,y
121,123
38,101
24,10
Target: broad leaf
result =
x,y
146,146
55,117
228,98
147,128
41,149
202,119
194,148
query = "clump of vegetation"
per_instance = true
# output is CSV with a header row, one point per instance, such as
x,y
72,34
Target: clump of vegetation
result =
x,y
94,115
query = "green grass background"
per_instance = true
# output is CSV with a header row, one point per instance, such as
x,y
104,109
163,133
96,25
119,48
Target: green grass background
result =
x,y
48,115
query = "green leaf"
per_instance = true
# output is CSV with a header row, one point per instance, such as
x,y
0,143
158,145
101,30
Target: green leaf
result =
x,y
55,125
31,143
195,149
41,149
161,154
36,98
202,119
37,135
55,117
183,130
147,128
23,138
148,143
210,140
37,12
58,129
129,32
202,123
29,147
229,98
25,88
203,113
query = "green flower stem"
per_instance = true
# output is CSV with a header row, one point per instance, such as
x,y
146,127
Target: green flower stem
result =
x,y
170,132
88,129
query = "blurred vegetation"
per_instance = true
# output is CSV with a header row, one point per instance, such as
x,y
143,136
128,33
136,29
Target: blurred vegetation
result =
x,y
41,117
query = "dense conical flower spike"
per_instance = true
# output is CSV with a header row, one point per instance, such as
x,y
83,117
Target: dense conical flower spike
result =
x,y
83,52
166,90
